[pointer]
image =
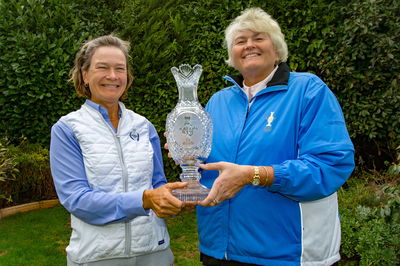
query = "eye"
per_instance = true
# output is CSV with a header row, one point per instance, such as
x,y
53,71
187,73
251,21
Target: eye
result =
x,y
239,42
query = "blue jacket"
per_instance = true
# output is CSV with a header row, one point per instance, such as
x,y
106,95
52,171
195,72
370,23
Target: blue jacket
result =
x,y
296,126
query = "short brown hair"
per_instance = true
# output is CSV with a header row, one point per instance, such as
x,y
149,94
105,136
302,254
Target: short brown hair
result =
x,y
84,56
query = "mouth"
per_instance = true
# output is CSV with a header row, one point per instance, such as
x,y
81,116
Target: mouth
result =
x,y
111,86
251,55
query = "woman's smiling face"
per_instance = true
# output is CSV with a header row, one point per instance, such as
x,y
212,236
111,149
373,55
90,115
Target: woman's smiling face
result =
x,y
253,53
107,75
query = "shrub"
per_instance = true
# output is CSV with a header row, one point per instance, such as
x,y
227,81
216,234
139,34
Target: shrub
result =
x,y
170,33
363,68
352,48
37,47
32,181
394,167
8,170
370,222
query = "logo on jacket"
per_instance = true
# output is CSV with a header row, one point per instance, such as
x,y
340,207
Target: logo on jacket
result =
x,y
134,135
270,119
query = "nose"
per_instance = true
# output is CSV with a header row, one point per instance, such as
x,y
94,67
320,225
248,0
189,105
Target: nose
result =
x,y
249,44
111,74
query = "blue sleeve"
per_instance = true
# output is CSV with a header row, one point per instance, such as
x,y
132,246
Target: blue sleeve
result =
x,y
158,167
73,190
325,152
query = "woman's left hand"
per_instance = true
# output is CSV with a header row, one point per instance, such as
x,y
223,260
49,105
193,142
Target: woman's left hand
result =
x,y
232,178
163,203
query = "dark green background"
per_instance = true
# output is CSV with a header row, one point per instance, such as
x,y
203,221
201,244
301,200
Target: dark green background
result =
x,y
353,47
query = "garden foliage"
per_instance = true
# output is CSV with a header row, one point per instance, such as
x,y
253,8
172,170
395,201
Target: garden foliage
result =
x,y
28,176
354,48
370,219
8,171
38,42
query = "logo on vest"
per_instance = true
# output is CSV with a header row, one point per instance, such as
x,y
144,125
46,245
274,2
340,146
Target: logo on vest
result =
x,y
134,135
270,119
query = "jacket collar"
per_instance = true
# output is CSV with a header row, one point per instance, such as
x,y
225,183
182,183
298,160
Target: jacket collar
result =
x,y
103,111
281,78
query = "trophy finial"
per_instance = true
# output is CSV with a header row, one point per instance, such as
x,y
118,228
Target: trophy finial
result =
x,y
187,75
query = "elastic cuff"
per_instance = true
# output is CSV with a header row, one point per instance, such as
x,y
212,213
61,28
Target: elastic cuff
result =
x,y
279,179
132,203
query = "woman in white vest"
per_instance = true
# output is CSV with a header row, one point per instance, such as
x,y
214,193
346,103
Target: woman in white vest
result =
x,y
107,167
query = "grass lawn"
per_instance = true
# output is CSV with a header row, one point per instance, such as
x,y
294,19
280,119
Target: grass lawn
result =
x,y
40,237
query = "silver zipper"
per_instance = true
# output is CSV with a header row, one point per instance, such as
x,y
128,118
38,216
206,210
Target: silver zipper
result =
x,y
128,230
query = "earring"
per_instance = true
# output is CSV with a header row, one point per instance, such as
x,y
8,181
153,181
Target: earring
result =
x,y
86,86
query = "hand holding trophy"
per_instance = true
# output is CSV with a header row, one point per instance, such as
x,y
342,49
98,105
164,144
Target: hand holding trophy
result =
x,y
189,133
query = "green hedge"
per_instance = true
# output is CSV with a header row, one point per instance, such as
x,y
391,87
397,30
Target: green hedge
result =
x,y
364,72
354,48
38,43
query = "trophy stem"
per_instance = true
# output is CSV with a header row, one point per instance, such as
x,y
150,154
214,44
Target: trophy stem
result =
x,y
189,172
193,192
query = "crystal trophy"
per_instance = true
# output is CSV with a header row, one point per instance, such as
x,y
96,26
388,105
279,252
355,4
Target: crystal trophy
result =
x,y
189,133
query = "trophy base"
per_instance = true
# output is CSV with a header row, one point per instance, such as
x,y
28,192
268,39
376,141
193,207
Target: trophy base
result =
x,y
193,192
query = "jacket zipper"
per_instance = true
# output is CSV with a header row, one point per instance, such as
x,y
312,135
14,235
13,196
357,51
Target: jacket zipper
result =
x,y
125,179
128,231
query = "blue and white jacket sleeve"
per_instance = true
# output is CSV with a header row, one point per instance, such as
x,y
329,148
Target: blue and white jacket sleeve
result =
x,y
325,152
74,192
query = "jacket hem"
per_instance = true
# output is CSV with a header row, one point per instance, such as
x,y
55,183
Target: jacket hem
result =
x,y
326,262
114,257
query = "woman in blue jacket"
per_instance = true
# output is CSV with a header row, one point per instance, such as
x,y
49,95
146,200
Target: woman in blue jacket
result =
x,y
280,152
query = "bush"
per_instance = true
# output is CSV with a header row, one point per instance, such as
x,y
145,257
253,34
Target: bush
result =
x,y
394,167
8,170
352,48
37,47
170,33
370,222
363,68
32,181
324,37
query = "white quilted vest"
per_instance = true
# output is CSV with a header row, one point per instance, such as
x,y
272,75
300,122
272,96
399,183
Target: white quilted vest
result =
x,y
115,163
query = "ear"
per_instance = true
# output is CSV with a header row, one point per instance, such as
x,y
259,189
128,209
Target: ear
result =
x,y
85,77
277,59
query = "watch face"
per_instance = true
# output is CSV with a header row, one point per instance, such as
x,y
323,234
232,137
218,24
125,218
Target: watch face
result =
x,y
255,182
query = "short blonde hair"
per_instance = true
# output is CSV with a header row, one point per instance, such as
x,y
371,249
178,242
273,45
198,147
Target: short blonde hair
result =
x,y
84,57
257,20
